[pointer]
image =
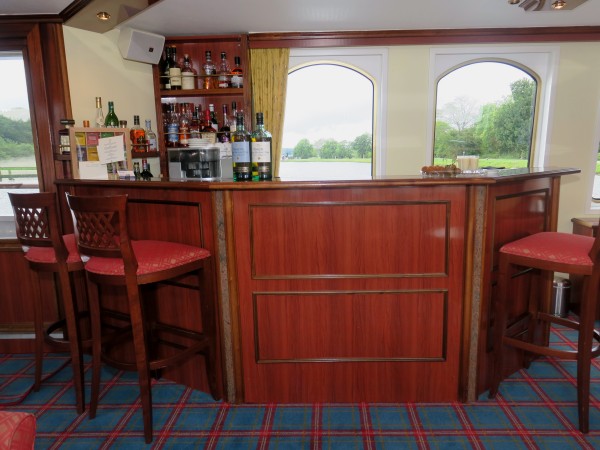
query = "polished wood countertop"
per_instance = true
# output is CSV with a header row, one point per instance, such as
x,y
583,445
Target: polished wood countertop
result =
x,y
489,177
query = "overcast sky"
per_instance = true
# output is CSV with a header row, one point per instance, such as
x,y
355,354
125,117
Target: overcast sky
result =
x,y
13,90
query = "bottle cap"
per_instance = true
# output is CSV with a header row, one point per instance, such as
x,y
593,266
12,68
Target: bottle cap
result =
x,y
86,123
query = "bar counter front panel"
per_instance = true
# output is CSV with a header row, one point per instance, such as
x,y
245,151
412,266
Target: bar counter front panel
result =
x,y
372,291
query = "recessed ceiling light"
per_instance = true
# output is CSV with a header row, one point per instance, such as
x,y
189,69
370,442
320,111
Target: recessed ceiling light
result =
x,y
559,4
103,15
513,2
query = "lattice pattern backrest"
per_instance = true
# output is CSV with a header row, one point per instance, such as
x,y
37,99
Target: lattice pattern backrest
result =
x,y
32,223
98,230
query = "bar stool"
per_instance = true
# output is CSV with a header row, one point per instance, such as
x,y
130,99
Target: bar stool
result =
x,y
549,252
112,258
47,250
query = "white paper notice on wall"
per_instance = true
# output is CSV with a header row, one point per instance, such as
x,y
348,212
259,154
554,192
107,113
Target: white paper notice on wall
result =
x,y
111,149
92,170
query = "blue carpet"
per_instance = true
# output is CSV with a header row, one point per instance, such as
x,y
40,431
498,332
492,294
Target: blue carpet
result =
x,y
535,409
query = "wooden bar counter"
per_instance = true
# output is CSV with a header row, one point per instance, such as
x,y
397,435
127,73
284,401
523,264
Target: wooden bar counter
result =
x,y
373,290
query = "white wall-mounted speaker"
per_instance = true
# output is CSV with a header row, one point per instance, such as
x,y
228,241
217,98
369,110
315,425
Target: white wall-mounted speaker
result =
x,y
141,46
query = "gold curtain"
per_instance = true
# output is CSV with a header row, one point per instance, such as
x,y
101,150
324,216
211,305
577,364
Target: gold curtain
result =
x,y
269,84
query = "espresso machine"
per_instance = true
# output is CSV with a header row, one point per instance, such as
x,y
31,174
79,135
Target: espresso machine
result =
x,y
207,163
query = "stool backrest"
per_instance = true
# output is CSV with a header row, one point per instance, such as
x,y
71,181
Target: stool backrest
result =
x,y
101,227
36,222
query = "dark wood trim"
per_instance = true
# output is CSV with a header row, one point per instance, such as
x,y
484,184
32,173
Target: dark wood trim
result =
x,y
413,37
73,8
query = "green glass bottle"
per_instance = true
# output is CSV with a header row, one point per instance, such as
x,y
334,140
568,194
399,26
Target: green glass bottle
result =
x,y
111,120
261,151
240,149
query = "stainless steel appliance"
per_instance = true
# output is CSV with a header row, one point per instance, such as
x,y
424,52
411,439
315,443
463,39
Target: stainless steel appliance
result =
x,y
206,163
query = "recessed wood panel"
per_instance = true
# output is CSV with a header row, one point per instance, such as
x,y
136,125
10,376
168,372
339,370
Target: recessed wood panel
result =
x,y
350,326
349,239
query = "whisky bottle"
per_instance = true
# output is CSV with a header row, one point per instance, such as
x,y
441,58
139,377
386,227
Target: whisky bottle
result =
x,y
151,142
188,74
261,151
209,70
174,70
240,148
209,132
111,120
195,125
99,121
136,170
146,174
224,72
213,116
225,130
137,136
184,125
233,120
237,74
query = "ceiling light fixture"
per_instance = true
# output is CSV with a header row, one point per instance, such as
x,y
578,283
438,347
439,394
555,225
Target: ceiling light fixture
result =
x,y
559,4
103,15
513,2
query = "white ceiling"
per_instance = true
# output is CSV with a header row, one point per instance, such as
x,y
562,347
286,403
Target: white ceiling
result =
x,y
198,17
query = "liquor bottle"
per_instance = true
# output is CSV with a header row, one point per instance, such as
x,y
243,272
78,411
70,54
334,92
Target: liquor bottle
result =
x,y
184,125
137,136
224,72
151,137
188,74
209,132
172,128
213,116
146,174
162,67
111,120
136,170
240,148
209,71
195,124
261,151
225,130
237,74
165,76
233,120
99,122
174,70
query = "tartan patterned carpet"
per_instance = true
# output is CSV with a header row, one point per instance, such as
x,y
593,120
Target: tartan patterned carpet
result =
x,y
536,409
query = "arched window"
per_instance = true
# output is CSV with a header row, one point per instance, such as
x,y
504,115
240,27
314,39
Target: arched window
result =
x,y
332,127
486,109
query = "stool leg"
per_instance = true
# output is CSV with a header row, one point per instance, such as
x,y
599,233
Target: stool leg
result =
x,y
141,356
96,329
73,338
38,325
500,319
587,315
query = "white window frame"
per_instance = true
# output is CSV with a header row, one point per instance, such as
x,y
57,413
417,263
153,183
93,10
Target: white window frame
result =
x,y
371,62
540,61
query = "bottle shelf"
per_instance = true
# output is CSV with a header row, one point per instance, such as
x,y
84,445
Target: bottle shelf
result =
x,y
201,92
141,155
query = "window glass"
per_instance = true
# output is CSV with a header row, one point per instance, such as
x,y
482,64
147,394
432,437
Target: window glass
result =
x,y
485,109
328,129
18,172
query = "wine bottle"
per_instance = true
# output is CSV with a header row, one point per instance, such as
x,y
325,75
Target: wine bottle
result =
x,y
237,74
225,130
111,120
240,148
188,74
137,136
136,170
151,137
99,121
165,76
261,150
174,70
146,174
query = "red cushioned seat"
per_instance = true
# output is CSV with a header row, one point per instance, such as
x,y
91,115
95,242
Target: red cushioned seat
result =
x,y
47,250
112,257
17,430
525,327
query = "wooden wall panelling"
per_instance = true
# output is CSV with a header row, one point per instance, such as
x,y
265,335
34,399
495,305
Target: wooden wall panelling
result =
x,y
369,284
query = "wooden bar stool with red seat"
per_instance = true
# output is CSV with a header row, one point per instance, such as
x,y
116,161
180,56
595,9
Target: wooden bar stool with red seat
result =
x,y
113,258
47,250
549,252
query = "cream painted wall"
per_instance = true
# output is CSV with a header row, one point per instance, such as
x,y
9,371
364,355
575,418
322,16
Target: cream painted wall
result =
x,y
96,68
